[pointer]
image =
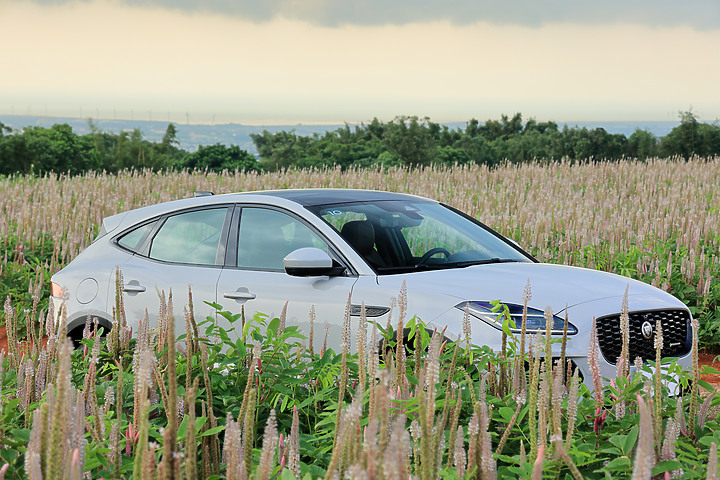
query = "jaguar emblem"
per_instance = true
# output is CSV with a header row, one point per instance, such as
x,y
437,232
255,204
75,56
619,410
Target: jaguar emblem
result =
x,y
646,329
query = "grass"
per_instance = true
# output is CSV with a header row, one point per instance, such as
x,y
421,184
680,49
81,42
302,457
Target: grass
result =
x,y
253,402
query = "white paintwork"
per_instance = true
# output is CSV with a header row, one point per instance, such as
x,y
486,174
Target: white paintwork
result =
x,y
307,257
432,295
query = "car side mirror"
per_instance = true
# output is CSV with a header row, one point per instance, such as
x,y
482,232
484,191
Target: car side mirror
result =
x,y
311,262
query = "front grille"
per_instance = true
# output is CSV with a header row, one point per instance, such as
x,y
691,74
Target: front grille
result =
x,y
675,328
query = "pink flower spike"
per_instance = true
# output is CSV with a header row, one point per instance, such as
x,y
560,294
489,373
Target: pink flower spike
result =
x,y
600,416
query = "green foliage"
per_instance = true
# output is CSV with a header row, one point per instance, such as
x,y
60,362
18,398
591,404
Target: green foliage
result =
x,y
691,138
419,141
411,140
216,158
285,377
25,272
641,144
404,141
40,150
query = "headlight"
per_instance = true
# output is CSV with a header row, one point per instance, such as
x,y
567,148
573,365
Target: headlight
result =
x,y
535,317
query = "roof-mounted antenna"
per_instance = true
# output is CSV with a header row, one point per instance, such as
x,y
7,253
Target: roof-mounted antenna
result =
x,y
203,193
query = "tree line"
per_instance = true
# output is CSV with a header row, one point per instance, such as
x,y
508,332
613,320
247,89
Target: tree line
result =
x,y
402,141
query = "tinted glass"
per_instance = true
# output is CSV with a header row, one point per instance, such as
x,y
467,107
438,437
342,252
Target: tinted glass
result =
x,y
133,240
400,236
266,237
191,237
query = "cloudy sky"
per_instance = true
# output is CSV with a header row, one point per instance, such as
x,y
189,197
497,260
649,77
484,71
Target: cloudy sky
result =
x,y
314,61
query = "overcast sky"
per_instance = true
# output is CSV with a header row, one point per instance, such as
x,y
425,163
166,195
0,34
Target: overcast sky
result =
x,y
313,61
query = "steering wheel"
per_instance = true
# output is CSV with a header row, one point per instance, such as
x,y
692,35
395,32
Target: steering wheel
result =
x,y
430,253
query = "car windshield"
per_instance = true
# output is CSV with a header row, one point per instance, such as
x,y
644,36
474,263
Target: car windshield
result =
x,y
404,236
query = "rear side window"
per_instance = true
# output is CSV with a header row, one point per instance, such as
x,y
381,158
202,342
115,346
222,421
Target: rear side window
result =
x,y
135,239
191,237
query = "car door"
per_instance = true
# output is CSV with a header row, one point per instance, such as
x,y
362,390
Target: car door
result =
x,y
255,277
175,252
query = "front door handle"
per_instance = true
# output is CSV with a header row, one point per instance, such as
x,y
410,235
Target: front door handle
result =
x,y
240,294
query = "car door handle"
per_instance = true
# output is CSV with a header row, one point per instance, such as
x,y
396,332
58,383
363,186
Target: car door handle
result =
x,y
133,287
239,295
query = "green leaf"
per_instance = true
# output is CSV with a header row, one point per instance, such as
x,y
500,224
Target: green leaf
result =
x,y
22,435
521,473
214,305
708,387
212,431
630,440
619,463
287,475
199,422
273,327
182,428
666,466
506,413
9,455
618,441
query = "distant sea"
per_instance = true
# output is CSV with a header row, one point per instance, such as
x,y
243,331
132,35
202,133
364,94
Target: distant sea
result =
x,y
191,136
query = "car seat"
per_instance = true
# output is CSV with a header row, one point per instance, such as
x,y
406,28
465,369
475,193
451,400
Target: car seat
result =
x,y
360,234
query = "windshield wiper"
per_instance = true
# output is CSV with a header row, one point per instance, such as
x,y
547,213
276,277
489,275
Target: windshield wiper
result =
x,y
400,269
487,261
444,266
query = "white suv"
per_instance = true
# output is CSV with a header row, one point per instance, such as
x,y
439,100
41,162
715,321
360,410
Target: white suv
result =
x,y
317,247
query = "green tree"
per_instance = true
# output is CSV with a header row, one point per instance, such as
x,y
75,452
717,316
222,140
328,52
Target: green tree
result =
x,y
217,158
279,150
641,145
710,138
409,140
503,129
169,140
683,140
38,150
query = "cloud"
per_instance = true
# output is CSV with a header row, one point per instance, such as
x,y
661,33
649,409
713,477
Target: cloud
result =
x,y
697,14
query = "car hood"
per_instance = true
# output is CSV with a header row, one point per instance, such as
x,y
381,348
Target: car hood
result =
x,y
557,286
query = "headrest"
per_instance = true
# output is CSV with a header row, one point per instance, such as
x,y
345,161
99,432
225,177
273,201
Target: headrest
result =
x,y
360,234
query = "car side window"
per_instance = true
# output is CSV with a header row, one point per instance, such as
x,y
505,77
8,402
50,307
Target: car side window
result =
x,y
266,236
134,239
191,237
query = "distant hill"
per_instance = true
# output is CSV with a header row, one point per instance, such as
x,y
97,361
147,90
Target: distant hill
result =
x,y
191,136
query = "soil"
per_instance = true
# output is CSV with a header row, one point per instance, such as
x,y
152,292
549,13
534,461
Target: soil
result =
x,y
4,341
709,359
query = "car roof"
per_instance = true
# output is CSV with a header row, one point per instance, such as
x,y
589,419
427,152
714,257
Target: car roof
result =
x,y
324,196
303,197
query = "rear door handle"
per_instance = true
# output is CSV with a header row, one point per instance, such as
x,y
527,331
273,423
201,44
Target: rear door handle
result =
x,y
240,294
133,286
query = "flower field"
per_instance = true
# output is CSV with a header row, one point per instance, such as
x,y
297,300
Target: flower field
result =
x,y
658,221
256,403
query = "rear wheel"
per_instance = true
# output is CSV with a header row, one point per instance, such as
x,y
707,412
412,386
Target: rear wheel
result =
x,y
77,333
